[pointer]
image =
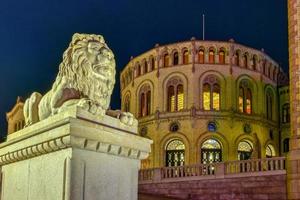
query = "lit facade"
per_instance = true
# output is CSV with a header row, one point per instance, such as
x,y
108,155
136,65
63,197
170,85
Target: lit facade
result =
x,y
15,117
207,101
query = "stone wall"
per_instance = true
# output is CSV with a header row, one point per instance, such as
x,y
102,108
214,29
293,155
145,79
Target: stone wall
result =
x,y
243,188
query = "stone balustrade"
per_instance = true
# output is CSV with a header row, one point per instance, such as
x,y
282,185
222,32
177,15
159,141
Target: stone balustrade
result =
x,y
253,167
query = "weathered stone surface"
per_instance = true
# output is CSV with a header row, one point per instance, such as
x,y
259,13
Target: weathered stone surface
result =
x,y
73,155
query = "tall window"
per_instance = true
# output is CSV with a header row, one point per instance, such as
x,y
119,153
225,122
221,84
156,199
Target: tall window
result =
x,y
286,113
145,70
237,58
254,61
145,101
211,93
286,145
175,95
245,61
211,59
152,63
269,104
127,104
245,97
138,70
175,150
185,57
201,56
175,58
211,151
222,57
166,60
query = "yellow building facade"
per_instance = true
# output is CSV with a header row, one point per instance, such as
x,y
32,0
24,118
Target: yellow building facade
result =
x,y
15,117
207,101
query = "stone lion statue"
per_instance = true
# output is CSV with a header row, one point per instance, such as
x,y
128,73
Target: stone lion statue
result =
x,y
86,79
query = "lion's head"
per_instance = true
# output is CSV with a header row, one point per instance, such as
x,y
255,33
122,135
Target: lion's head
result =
x,y
89,67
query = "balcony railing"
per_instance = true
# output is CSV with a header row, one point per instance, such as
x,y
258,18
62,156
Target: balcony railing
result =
x,y
254,167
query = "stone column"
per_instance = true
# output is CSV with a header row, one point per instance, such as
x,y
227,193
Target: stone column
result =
x,y
73,155
293,159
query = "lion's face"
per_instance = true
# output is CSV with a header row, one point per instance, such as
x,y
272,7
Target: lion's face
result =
x,y
101,60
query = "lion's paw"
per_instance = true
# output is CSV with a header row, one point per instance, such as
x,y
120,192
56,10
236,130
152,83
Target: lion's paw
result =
x,y
127,118
91,106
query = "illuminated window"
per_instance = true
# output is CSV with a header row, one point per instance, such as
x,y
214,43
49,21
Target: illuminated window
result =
x,y
237,58
145,101
206,96
175,150
211,93
211,151
245,61
127,104
211,59
270,151
245,149
245,98
201,56
185,57
222,57
269,104
175,58
175,95
166,60
286,113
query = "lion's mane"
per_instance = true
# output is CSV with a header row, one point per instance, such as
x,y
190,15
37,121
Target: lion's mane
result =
x,y
77,71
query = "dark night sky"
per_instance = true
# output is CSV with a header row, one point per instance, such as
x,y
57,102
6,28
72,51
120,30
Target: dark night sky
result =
x,y
35,33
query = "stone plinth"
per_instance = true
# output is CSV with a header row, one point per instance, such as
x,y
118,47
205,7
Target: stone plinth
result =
x,y
73,155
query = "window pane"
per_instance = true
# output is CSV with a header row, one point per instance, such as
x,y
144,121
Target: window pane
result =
x,y
148,103
185,57
201,56
241,100
206,96
222,57
180,97
171,99
175,59
249,102
216,97
211,56
166,60
142,105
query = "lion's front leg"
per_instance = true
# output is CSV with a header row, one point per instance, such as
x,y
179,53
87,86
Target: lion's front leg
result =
x,y
125,117
91,106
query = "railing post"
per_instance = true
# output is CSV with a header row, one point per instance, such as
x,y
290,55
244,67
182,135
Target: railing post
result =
x,y
157,175
220,170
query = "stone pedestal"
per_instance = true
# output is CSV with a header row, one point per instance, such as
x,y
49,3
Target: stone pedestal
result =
x,y
73,155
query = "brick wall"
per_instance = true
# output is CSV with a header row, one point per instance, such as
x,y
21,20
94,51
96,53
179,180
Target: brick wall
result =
x,y
242,188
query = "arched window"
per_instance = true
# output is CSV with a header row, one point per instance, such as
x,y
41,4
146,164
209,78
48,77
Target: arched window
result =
x,y
175,58
254,62
286,145
145,101
270,151
245,97
201,56
211,151
211,93
222,57
185,57
175,150
211,58
237,58
145,67
127,104
245,149
138,69
269,104
175,95
245,61
152,63
166,60
286,113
